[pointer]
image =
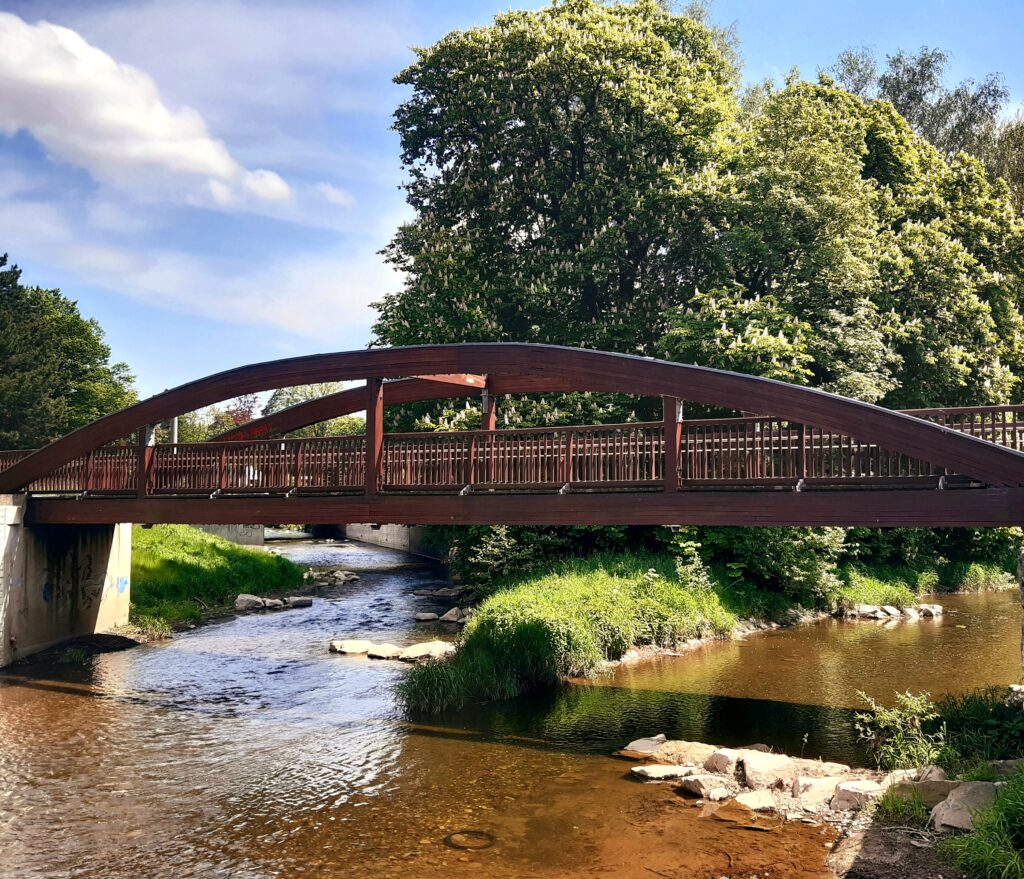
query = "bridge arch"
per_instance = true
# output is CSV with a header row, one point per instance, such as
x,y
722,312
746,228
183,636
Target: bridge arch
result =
x,y
525,368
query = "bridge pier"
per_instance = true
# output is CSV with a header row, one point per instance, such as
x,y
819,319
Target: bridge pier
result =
x,y
58,581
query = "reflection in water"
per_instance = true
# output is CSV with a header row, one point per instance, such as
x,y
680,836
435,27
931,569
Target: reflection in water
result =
x,y
243,749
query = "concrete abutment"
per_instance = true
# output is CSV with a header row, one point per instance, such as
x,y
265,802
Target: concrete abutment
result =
x,y
59,581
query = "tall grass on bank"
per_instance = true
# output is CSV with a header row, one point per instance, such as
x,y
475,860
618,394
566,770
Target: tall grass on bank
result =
x,y
995,848
178,572
565,620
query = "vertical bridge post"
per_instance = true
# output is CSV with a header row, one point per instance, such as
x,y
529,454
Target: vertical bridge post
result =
x,y
146,440
488,422
672,415
374,434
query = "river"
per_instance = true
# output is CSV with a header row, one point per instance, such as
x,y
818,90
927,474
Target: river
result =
x,y
243,749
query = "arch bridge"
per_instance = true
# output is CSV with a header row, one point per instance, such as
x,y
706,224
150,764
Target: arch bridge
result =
x,y
806,458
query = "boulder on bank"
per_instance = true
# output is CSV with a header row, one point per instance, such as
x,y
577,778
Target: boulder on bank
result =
x,y
245,601
662,772
723,761
699,785
762,770
855,795
641,748
757,800
815,793
299,601
273,604
426,617
680,752
957,811
451,616
931,791
892,610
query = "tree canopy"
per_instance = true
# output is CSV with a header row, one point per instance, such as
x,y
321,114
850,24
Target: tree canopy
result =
x,y
55,369
588,174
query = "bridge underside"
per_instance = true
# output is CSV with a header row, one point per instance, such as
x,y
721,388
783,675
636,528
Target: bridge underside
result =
x,y
852,507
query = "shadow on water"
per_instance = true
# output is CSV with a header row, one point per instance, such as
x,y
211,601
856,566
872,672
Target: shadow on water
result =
x,y
601,719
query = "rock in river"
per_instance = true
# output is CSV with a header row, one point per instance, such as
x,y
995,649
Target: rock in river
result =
x,y
426,650
451,616
425,617
351,646
660,772
245,601
384,651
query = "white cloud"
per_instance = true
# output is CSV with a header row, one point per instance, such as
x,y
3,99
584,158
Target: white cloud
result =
x,y
334,195
312,293
88,110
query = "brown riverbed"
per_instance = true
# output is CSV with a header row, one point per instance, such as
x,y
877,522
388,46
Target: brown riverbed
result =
x,y
243,749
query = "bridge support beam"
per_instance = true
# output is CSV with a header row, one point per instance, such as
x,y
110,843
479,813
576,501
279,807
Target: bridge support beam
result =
x,y
374,434
672,413
58,581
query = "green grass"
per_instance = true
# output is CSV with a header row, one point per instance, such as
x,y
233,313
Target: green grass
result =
x,y
880,586
179,573
976,577
566,619
995,848
893,808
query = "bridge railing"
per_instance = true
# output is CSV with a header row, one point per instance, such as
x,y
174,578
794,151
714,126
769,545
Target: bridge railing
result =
x,y
608,454
713,453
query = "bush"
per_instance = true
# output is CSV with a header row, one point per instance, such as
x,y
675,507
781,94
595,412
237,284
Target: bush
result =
x,y
981,725
800,563
484,554
898,737
976,577
178,572
566,620
995,848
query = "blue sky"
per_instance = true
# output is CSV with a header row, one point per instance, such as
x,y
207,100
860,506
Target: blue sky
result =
x,y
212,179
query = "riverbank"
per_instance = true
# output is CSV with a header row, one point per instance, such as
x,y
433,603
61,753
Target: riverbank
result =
x,y
575,617
181,575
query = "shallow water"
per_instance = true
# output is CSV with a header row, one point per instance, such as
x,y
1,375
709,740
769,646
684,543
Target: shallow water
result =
x,y
244,749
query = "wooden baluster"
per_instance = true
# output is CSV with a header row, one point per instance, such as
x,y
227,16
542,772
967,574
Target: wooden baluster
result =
x,y
89,465
145,439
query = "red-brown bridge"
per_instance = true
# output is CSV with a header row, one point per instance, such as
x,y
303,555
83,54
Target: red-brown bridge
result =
x,y
807,458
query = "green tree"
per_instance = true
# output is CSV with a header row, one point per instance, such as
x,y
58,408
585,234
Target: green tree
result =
x,y
285,398
55,369
555,159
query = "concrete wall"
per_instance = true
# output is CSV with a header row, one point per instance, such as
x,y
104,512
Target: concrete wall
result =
x,y
59,581
408,538
246,535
